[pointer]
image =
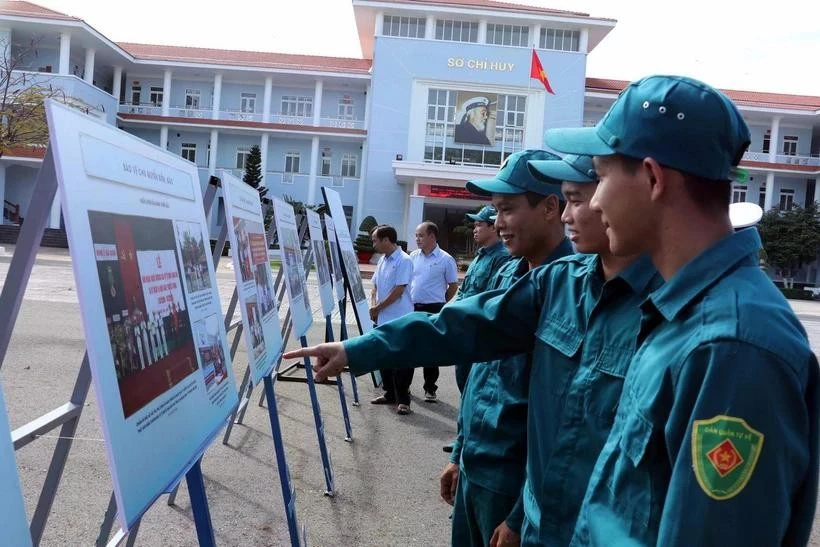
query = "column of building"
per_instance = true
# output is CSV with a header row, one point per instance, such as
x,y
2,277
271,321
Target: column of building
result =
x,y
774,139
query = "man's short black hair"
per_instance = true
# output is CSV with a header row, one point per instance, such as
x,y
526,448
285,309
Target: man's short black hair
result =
x,y
430,228
712,196
534,198
385,231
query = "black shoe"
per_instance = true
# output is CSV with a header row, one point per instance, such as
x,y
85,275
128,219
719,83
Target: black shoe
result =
x,y
447,448
382,400
429,396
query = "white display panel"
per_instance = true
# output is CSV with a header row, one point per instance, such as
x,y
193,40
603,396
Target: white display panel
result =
x,y
150,310
254,281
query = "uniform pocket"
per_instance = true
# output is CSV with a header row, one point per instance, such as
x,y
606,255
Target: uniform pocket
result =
x,y
605,384
631,483
565,338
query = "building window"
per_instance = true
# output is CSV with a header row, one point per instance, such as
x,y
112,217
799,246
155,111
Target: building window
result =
x,y
496,134
456,31
767,141
508,35
790,145
403,27
761,197
192,97
786,199
189,151
349,165
292,162
738,194
346,108
297,106
135,94
247,102
156,96
326,166
242,154
560,39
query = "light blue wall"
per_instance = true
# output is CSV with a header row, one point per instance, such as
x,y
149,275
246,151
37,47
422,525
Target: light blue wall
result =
x,y
227,146
803,138
146,83
278,92
32,59
337,150
398,62
231,95
200,139
150,135
20,186
330,103
277,148
178,87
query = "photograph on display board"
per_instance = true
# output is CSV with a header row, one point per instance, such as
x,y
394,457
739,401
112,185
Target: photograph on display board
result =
x,y
336,269
211,352
264,288
352,269
321,262
194,256
292,261
243,250
475,118
255,326
149,328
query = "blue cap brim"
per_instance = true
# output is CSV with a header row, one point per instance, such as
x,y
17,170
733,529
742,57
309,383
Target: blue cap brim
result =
x,y
583,141
474,218
556,172
489,187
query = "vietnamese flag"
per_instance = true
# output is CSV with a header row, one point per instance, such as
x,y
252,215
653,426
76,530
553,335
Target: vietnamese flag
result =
x,y
537,72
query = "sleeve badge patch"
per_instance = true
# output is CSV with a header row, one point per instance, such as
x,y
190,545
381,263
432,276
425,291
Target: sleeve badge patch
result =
x,y
724,453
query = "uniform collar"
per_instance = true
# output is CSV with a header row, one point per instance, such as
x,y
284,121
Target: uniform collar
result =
x,y
563,249
495,247
639,274
703,271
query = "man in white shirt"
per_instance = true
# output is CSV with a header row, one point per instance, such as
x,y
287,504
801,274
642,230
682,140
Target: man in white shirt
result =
x,y
389,299
435,282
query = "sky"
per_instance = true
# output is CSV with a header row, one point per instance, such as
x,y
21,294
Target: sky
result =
x,y
726,43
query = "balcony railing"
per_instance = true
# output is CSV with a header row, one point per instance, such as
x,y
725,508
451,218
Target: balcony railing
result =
x,y
812,160
76,91
207,113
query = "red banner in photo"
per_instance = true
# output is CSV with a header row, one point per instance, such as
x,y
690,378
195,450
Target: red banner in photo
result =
x,y
259,251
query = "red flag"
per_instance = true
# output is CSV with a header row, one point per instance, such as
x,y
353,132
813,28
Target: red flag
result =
x,y
537,72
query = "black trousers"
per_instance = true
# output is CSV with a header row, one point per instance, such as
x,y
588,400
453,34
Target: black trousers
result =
x,y
396,383
430,373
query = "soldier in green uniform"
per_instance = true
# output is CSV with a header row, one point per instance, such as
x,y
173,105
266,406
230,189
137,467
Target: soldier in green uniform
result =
x,y
485,476
579,318
491,255
715,441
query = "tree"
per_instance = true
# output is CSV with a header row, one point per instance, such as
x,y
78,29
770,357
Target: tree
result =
x,y
253,167
22,98
791,239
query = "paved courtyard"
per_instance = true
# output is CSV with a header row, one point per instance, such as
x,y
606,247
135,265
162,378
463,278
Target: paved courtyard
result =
x,y
386,479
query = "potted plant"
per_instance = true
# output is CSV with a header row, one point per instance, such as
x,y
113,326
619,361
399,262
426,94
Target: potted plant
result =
x,y
363,245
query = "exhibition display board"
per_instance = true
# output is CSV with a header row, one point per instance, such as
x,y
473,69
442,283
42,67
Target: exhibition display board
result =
x,y
154,329
290,250
335,266
13,521
350,264
254,281
317,242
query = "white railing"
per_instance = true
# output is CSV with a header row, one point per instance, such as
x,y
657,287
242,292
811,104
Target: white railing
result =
x,y
205,113
341,123
812,160
189,112
236,114
148,109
